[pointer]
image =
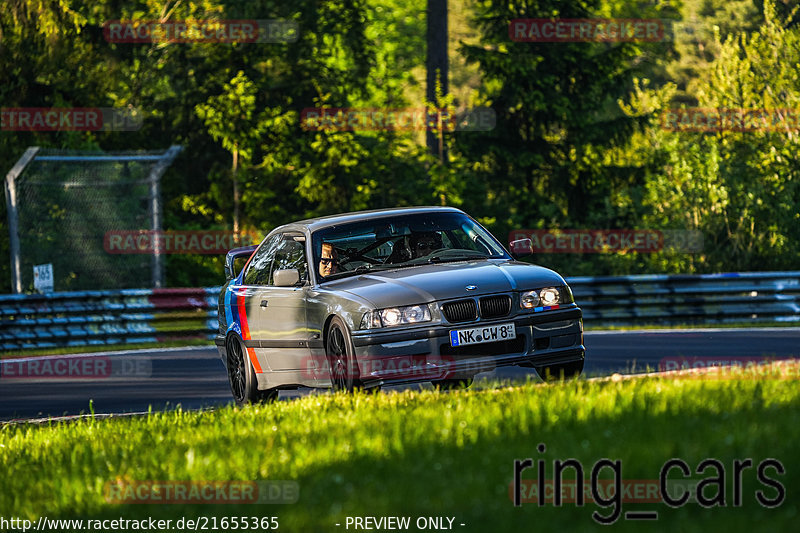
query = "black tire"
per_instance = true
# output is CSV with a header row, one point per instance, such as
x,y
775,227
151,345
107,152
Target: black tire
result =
x,y
267,396
450,384
562,371
242,376
340,352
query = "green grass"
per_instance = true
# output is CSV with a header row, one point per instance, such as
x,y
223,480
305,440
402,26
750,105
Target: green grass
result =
x,y
423,453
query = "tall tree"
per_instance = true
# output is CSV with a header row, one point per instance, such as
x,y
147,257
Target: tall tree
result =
x,y
437,66
740,188
544,164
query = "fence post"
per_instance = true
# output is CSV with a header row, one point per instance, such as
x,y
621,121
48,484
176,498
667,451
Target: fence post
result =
x,y
155,208
13,225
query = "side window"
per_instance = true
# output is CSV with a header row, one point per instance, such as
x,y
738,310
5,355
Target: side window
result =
x,y
291,254
259,269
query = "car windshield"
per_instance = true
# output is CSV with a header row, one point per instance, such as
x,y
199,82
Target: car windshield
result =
x,y
401,241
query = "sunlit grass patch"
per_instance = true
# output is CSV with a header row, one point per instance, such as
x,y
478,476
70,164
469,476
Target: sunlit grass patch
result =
x,y
415,453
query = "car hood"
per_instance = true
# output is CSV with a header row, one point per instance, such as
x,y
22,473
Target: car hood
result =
x,y
426,283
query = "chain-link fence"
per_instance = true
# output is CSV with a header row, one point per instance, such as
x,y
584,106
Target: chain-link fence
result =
x,y
62,203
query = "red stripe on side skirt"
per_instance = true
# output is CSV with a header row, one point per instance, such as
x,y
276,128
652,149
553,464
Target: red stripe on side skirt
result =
x,y
246,332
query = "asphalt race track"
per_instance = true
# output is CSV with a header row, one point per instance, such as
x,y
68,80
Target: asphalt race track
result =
x,y
194,377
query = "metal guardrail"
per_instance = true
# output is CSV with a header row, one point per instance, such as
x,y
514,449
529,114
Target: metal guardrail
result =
x,y
106,317
706,299
156,315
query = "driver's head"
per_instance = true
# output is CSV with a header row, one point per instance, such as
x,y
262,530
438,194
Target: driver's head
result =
x,y
327,261
424,243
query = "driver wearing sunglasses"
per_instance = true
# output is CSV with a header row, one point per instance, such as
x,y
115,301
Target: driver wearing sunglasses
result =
x,y
423,244
328,260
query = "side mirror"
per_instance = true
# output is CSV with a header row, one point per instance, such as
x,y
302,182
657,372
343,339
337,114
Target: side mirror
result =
x,y
233,255
521,248
288,277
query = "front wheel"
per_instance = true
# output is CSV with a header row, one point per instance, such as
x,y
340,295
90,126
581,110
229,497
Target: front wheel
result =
x,y
242,376
562,371
339,350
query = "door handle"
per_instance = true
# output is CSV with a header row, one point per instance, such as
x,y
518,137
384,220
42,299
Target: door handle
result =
x,y
264,303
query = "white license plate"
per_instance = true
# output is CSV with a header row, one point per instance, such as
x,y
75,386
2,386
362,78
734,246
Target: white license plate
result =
x,y
495,333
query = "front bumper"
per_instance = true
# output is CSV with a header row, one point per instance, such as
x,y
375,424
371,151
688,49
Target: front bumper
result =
x,y
543,339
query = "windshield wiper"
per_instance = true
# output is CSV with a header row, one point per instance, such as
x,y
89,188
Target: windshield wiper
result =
x,y
358,270
437,259
363,268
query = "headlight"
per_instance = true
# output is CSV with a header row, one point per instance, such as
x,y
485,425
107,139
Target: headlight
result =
x,y
529,299
395,316
416,313
391,316
547,297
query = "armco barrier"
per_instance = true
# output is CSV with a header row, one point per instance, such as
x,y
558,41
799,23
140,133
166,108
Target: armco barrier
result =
x,y
747,297
106,317
154,315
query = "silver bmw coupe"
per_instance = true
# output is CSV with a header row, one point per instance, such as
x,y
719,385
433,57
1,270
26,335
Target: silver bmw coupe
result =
x,y
360,300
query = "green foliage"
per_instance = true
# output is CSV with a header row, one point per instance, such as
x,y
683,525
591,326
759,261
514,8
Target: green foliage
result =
x,y
546,163
577,143
703,25
229,117
739,187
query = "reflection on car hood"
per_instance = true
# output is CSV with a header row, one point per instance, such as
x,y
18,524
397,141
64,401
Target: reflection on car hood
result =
x,y
425,283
